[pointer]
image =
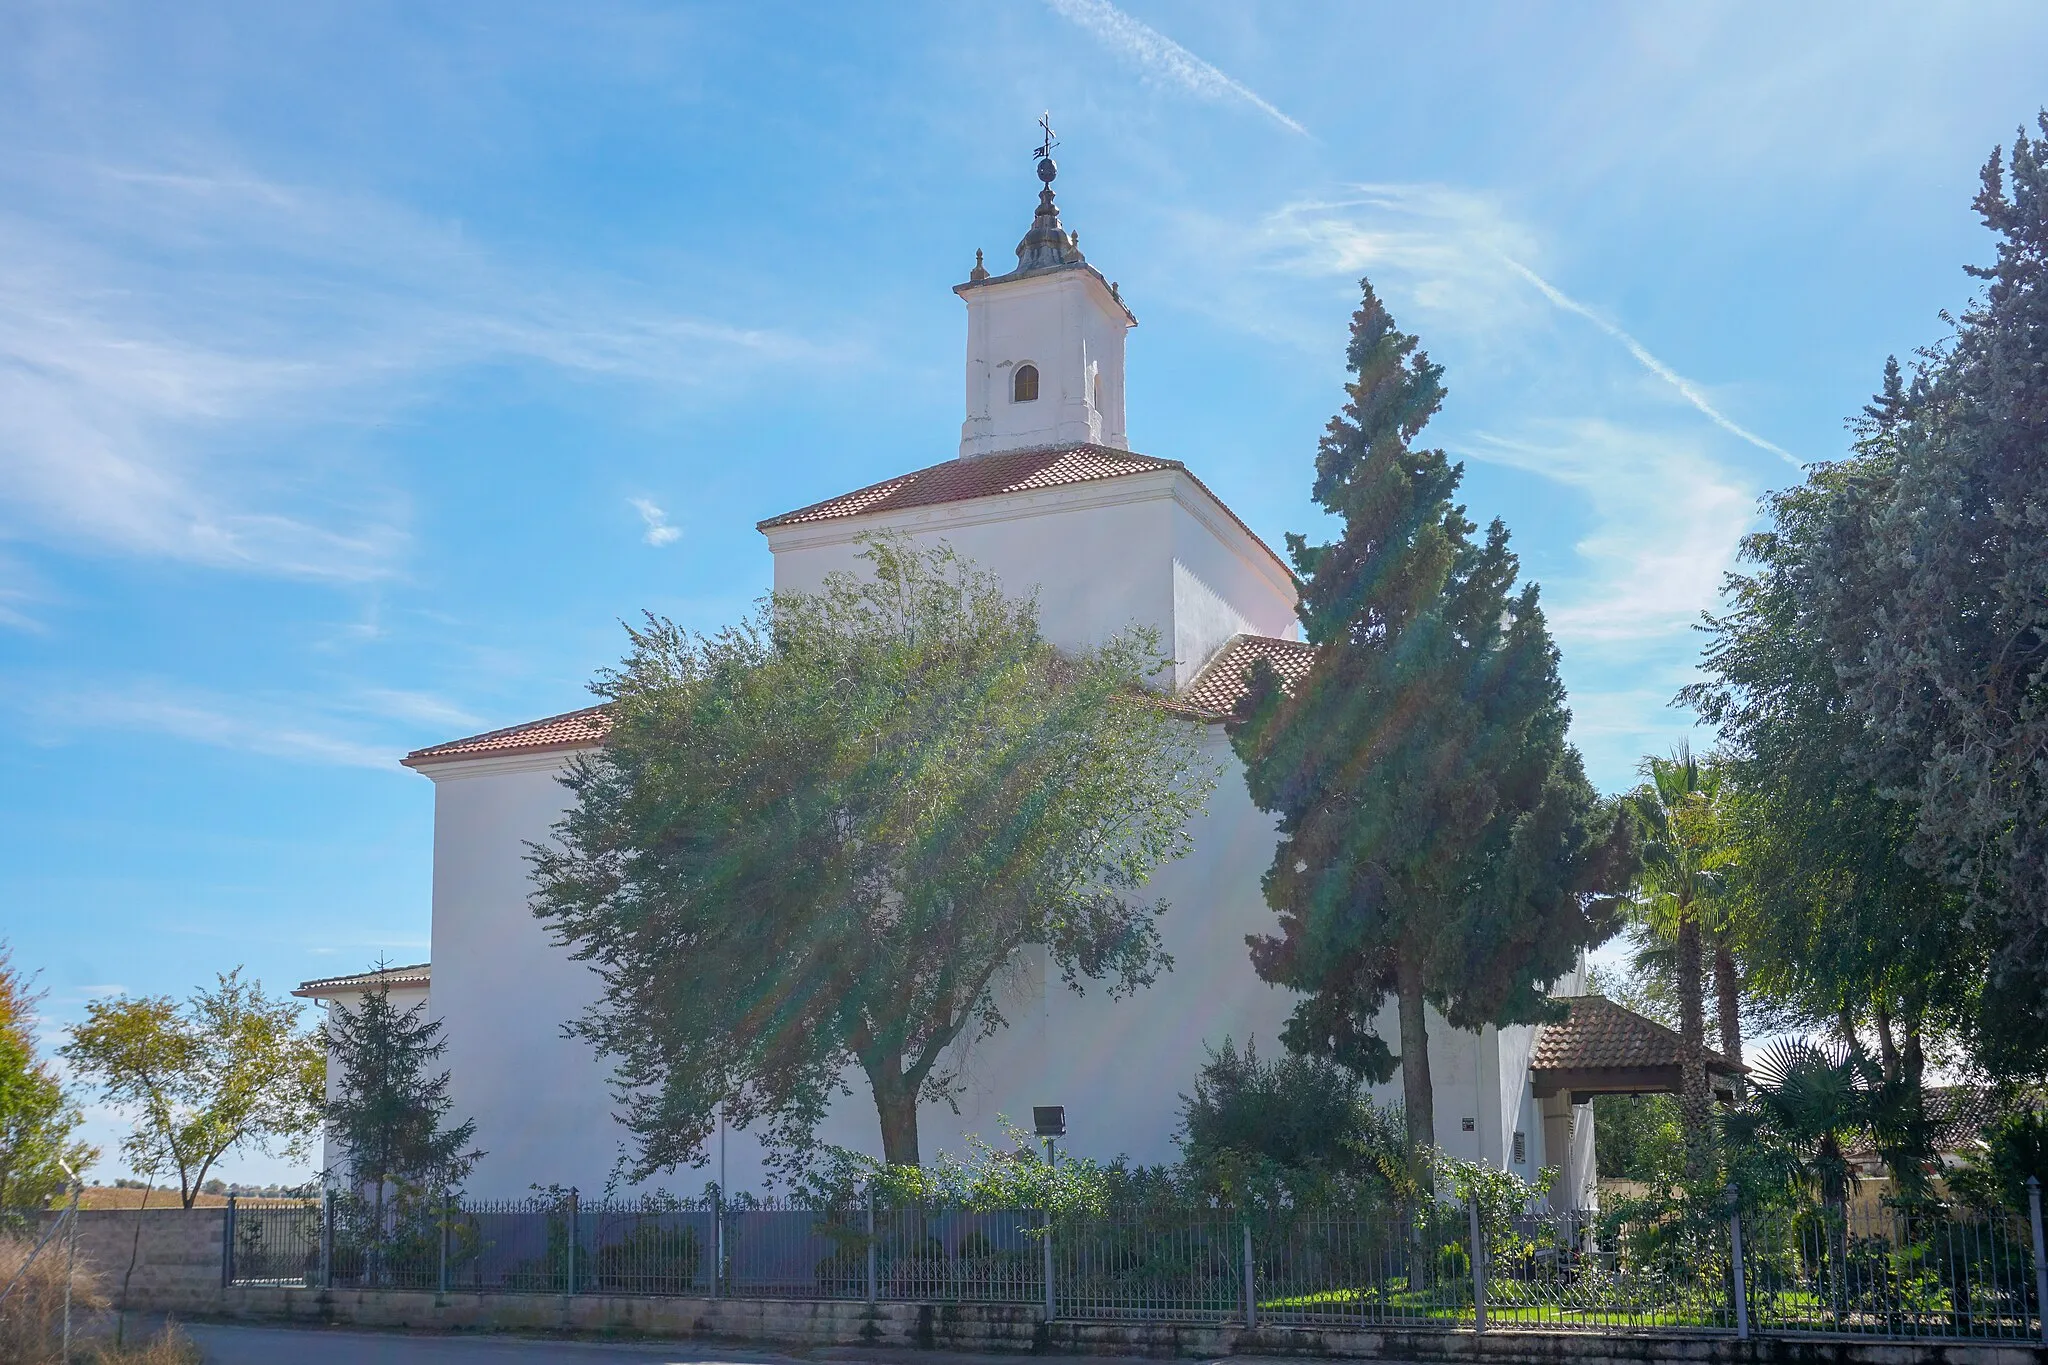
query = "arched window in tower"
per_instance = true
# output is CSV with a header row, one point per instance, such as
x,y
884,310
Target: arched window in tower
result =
x,y
1024,385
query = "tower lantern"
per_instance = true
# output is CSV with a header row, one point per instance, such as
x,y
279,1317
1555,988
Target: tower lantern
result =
x,y
1045,341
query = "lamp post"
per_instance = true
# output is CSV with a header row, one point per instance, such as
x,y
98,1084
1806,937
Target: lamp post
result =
x,y
1049,1122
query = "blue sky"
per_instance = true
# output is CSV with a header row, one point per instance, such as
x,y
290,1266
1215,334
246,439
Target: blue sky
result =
x,y
362,365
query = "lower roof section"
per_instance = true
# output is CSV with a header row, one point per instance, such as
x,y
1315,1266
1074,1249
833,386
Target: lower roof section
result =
x,y
1209,697
412,977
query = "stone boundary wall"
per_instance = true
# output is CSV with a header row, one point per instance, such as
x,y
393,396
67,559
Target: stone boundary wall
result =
x,y
176,1252
178,1271
1018,1328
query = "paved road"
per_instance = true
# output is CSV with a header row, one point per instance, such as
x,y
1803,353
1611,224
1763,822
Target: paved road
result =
x,y
226,1344
235,1345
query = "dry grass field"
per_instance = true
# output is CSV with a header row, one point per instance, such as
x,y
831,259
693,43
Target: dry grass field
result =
x,y
113,1197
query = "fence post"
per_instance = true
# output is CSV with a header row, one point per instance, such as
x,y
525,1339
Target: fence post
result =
x,y
1045,1254
1736,1266
2040,1256
326,1238
227,1245
1251,1284
572,1241
871,1242
447,1217
717,1241
1478,1264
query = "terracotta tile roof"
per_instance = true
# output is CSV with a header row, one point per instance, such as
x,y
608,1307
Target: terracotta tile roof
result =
x,y
990,476
397,977
1226,677
570,730
984,476
1600,1034
1209,697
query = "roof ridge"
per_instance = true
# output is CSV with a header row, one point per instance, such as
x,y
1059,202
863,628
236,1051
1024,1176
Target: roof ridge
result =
x,y
869,497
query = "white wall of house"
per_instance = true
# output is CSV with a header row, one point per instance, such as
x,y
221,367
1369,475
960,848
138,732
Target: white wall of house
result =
x,y
1151,549
503,991
542,1101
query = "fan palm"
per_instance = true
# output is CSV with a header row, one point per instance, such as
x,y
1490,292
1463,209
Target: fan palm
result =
x,y
1808,1103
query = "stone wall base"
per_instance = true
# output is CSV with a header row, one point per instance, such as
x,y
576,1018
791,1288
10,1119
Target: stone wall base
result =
x,y
1016,1328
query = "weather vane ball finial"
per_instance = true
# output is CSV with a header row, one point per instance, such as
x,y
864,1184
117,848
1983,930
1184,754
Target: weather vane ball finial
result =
x,y
1046,169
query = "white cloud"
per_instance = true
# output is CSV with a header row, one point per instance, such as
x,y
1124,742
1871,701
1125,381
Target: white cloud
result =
x,y
658,532
1686,388
412,707
1449,249
1160,57
1666,521
1462,258
277,729
181,354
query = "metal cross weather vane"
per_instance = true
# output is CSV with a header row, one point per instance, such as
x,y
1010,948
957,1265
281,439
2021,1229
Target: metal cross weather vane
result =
x,y
1045,147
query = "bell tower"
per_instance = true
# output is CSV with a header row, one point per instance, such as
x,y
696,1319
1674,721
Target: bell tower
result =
x,y
1045,342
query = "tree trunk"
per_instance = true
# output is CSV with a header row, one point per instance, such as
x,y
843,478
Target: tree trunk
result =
x,y
1418,1094
1887,1045
896,1106
1845,1024
1728,1008
1692,1048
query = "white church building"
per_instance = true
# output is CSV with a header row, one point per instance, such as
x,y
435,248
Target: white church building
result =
x,y
1045,492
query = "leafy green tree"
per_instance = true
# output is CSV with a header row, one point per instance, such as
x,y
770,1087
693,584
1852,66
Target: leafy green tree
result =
x,y
1808,1104
228,1068
1686,853
1638,1137
1830,914
389,1109
823,839
1946,600
2015,1150
1881,679
1441,844
37,1119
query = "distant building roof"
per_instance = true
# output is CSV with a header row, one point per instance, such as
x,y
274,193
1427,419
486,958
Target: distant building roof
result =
x,y
1605,1048
583,729
398,978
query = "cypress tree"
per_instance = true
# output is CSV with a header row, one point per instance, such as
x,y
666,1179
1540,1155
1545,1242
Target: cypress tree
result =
x,y
1440,841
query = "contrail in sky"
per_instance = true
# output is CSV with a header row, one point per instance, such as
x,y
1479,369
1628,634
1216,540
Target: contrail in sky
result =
x,y
1649,362
1160,55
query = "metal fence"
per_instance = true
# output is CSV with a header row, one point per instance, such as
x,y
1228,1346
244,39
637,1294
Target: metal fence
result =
x,y
1892,1272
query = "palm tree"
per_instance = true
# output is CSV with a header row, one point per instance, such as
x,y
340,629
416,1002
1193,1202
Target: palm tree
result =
x,y
1809,1102
1687,853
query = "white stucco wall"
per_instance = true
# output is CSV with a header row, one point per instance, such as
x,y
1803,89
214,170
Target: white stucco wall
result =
x,y
1066,323
542,1101
1148,549
503,991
